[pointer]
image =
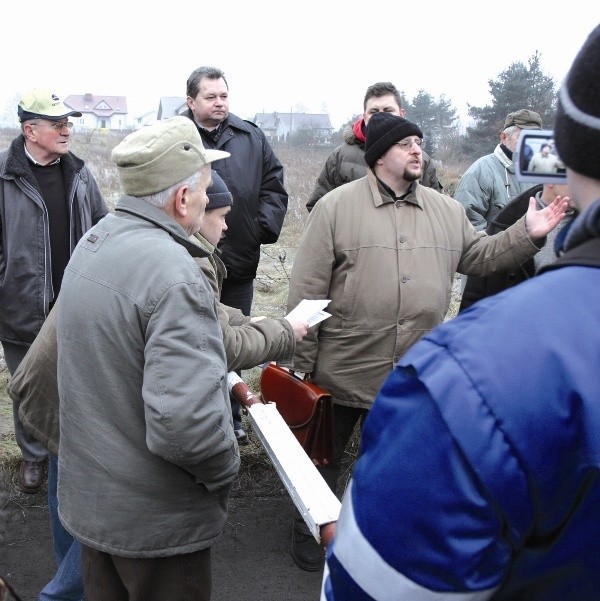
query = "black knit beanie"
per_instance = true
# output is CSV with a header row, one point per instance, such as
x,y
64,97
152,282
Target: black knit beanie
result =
x,y
577,125
383,131
218,193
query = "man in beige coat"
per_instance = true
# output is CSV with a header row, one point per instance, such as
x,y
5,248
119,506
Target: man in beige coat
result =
x,y
385,249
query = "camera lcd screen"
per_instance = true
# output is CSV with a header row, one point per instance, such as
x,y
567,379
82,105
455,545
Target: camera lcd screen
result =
x,y
536,159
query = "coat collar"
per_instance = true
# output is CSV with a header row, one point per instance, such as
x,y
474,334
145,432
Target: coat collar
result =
x,y
381,194
232,121
18,165
140,208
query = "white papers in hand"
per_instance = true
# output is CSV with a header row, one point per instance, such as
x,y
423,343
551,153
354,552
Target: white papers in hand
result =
x,y
310,311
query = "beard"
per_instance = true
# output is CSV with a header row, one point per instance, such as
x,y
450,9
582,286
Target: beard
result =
x,y
412,174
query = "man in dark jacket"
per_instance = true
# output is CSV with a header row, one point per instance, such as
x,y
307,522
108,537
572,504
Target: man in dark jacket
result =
x,y
346,163
48,199
253,175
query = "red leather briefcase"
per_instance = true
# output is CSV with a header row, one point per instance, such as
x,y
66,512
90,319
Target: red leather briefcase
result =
x,y
305,407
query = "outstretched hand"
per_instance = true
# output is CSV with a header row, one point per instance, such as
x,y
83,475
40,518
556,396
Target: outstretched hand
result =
x,y
540,222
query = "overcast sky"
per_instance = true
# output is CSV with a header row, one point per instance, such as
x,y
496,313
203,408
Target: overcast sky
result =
x,y
277,55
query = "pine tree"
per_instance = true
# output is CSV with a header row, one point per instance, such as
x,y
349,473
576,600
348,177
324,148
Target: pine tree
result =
x,y
519,86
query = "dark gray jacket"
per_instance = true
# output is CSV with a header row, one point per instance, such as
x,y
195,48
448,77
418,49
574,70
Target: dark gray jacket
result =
x,y
25,265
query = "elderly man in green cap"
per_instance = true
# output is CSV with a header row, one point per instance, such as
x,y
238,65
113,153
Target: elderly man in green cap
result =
x,y
490,182
147,448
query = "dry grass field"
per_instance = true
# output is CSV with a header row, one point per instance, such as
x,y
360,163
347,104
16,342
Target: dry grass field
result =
x,y
301,170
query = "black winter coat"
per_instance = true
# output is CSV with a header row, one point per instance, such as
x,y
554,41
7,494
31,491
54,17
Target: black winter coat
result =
x,y
254,177
26,290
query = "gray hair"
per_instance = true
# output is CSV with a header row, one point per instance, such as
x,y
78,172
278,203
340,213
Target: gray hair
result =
x,y
512,129
160,199
197,75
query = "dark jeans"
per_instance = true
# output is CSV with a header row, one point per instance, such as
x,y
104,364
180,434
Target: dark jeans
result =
x,y
240,297
177,577
67,583
345,419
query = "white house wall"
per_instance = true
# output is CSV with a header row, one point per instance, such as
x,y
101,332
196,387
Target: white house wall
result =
x,y
114,122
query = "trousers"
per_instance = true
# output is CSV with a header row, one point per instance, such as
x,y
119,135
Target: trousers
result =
x,y
177,577
344,422
31,448
67,583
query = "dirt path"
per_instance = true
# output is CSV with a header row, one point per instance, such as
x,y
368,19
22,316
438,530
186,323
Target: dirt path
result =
x,y
251,560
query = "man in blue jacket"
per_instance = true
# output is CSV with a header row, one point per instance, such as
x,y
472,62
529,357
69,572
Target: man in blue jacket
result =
x,y
480,461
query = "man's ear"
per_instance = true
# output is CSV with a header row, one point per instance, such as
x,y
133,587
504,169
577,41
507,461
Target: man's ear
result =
x,y
29,132
180,201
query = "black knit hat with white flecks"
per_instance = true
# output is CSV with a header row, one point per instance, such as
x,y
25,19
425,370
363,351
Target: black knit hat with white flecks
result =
x,y
577,125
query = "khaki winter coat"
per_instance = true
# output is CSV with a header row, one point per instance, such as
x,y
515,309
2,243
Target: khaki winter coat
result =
x,y
388,269
34,386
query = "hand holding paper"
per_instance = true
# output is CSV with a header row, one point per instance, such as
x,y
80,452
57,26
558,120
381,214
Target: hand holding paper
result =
x,y
310,311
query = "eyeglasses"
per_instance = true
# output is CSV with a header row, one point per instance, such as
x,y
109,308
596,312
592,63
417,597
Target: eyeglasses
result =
x,y
407,144
57,125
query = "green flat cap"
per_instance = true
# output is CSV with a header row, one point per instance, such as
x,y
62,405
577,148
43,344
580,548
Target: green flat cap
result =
x,y
525,119
155,157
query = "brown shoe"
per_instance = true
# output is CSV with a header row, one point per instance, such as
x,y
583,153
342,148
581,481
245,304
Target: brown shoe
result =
x,y
31,476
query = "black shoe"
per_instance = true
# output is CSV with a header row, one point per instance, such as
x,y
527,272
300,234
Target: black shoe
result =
x,y
306,551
